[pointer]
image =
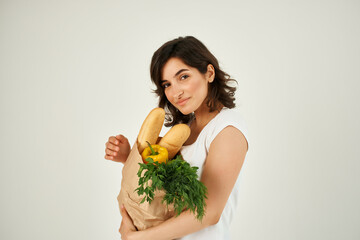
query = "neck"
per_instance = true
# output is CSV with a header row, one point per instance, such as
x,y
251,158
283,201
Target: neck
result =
x,y
203,115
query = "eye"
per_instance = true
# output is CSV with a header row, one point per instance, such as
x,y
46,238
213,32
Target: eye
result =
x,y
165,85
183,77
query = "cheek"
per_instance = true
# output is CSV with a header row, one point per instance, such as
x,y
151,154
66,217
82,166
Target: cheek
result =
x,y
200,88
193,87
168,96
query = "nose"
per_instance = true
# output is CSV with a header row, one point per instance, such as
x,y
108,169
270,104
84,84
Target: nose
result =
x,y
178,94
177,91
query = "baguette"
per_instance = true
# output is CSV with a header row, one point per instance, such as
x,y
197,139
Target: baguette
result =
x,y
151,128
175,138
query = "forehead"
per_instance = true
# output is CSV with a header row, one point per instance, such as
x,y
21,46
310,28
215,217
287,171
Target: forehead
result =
x,y
172,66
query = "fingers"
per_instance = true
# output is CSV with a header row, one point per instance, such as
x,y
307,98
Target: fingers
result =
x,y
117,148
121,138
112,147
113,140
110,152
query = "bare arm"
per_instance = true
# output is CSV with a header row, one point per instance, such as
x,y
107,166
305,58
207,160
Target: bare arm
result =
x,y
225,159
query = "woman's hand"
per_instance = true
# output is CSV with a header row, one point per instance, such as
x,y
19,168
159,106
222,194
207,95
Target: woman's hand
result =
x,y
117,148
127,227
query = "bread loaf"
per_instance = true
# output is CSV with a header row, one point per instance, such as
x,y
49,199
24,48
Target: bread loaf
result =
x,y
151,128
175,138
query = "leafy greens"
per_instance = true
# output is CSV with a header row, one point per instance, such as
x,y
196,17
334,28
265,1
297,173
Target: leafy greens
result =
x,y
180,182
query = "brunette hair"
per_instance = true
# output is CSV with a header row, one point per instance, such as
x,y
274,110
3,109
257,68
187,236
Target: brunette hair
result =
x,y
194,54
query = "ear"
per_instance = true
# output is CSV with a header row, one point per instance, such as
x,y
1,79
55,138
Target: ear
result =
x,y
210,74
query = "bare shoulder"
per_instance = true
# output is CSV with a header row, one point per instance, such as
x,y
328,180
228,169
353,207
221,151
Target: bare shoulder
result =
x,y
230,139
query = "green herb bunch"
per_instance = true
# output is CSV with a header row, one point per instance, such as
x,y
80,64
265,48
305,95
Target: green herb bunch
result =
x,y
180,182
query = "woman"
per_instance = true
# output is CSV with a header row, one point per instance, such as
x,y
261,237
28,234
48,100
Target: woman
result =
x,y
194,90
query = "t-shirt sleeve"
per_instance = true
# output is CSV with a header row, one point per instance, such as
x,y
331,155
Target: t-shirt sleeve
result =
x,y
228,118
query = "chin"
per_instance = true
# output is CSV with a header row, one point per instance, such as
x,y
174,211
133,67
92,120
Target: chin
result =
x,y
185,111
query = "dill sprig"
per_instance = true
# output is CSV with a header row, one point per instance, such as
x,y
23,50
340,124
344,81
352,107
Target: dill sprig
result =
x,y
180,182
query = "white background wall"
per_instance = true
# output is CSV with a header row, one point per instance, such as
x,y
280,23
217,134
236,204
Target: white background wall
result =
x,y
73,73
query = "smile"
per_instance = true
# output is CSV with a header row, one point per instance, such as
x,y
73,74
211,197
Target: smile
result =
x,y
183,101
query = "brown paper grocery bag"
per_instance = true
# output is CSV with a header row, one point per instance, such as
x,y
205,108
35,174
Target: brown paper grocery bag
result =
x,y
144,215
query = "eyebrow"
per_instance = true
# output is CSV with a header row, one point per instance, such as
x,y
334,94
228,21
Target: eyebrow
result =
x,y
180,71
177,73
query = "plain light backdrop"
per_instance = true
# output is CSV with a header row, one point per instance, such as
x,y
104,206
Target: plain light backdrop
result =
x,y
74,72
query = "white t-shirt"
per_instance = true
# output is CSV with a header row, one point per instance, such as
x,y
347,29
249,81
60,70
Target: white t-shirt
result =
x,y
196,154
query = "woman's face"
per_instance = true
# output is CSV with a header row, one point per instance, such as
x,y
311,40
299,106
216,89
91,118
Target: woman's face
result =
x,y
185,87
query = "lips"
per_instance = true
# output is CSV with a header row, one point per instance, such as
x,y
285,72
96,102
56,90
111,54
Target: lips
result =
x,y
182,101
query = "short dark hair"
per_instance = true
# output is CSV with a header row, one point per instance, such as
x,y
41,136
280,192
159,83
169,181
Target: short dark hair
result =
x,y
194,54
